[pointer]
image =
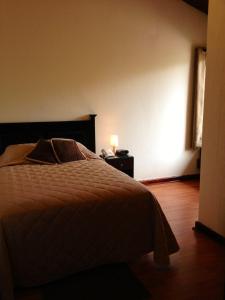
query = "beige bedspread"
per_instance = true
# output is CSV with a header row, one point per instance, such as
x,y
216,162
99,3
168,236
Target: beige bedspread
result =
x,y
59,219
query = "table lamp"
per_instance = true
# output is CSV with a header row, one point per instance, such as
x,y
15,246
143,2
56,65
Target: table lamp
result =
x,y
114,142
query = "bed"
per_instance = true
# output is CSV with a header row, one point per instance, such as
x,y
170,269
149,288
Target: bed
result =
x,y
59,219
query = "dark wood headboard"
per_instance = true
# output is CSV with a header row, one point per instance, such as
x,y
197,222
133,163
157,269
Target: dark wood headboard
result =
x,y
82,131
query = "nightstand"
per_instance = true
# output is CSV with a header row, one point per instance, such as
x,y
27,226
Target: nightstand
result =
x,y
122,163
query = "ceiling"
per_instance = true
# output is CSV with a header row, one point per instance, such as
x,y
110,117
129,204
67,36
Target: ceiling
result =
x,y
202,5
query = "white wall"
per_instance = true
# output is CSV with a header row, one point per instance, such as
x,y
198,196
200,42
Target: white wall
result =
x,y
128,61
212,190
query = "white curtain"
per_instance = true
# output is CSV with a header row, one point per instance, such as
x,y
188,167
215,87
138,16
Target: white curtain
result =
x,y
199,97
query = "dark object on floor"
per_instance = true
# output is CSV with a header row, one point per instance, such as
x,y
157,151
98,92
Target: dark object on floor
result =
x,y
111,282
202,5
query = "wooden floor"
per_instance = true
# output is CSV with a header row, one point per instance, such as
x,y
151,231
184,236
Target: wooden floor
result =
x,y
198,269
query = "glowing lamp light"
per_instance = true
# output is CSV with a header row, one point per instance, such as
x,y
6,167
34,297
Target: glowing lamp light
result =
x,y
114,141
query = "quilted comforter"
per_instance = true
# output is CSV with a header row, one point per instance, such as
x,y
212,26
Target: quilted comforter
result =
x,y
59,219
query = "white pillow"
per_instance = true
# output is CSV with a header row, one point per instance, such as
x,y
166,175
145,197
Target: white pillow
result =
x,y
15,154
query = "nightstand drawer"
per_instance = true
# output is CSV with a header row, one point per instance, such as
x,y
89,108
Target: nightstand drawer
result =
x,y
121,163
124,164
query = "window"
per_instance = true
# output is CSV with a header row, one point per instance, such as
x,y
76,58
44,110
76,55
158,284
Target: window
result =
x,y
199,95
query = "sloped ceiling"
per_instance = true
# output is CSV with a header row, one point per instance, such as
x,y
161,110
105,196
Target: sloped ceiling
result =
x,y
202,5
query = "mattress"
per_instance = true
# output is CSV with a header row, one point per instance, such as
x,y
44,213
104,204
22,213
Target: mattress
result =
x,y
59,219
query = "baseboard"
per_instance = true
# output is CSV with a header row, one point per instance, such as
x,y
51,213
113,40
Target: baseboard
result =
x,y
211,233
174,178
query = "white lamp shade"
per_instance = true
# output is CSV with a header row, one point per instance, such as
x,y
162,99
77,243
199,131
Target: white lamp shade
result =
x,y
114,141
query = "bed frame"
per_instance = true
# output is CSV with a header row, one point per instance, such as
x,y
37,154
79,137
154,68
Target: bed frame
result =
x,y
82,131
